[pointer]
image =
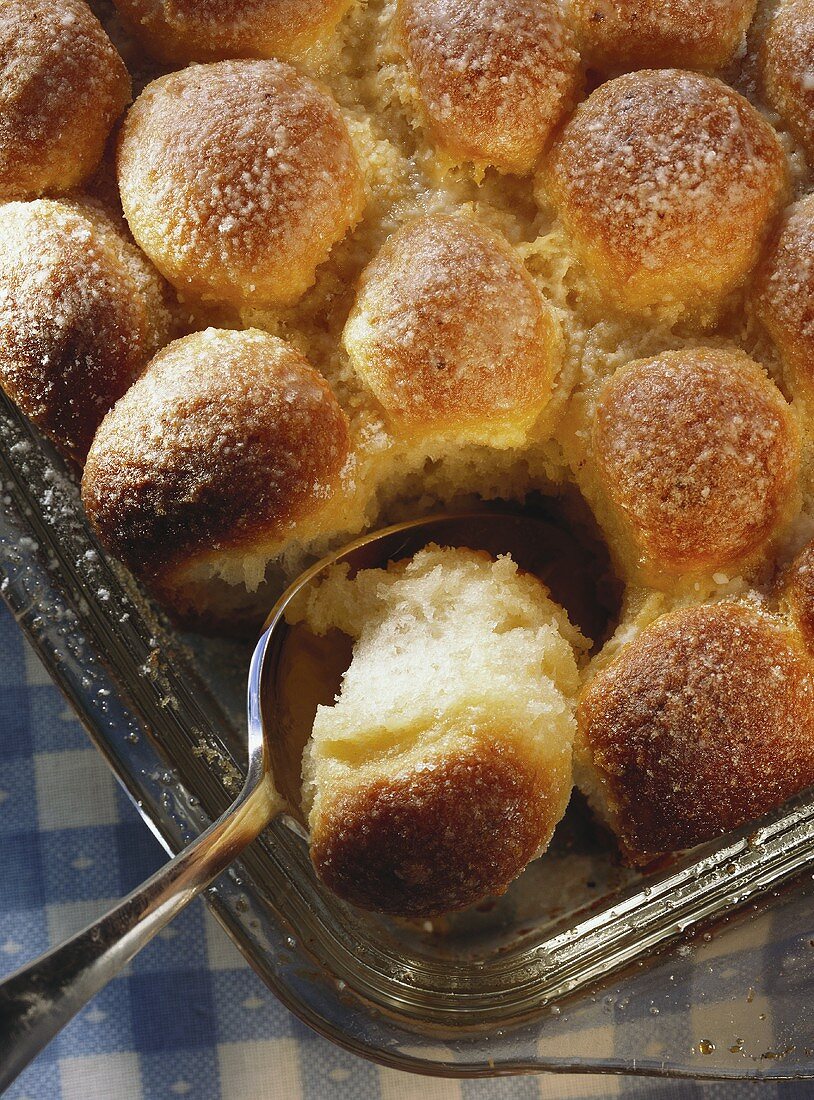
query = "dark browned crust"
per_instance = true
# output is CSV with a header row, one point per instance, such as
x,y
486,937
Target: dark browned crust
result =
x,y
253,440
75,329
437,839
703,723
699,452
62,86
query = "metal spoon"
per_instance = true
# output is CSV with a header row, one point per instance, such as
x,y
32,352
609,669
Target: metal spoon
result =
x,y
39,999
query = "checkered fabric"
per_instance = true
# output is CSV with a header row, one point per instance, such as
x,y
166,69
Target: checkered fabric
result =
x,y
188,1018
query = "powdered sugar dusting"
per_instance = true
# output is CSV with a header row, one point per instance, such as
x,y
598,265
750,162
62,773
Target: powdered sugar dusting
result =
x,y
666,180
79,316
226,439
701,724
179,31
62,85
787,67
618,35
784,294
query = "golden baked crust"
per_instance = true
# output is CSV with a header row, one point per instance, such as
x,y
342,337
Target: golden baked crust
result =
x,y
702,723
81,312
227,439
797,586
441,836
178,31
62,86
494,76
784,61
619,35
698,452
665,181
451,334
783,295
481,333
237,179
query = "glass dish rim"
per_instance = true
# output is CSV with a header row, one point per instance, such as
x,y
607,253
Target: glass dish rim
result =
x,y
21,511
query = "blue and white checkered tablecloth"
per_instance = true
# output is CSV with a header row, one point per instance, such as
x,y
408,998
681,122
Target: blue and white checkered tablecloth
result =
x,y
188,1018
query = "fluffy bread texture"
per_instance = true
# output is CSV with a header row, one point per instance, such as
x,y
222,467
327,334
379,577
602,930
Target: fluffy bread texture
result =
x,y
179,31
452,336
62,86
226,444
665,181
616,36
445,763
81,312
702,723
494,77
237,179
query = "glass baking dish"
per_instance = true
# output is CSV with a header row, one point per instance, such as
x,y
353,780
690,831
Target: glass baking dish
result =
x,y
703,968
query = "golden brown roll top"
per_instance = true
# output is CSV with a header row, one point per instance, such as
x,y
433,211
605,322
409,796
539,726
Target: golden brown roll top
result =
x,y
701,724
619,35
62,86
452,336
237,179
494,76
81,312
665,181
178,31
783,295
698,453
785,61
222,448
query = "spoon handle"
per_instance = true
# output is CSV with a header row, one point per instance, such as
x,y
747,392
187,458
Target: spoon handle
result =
x,y
39,999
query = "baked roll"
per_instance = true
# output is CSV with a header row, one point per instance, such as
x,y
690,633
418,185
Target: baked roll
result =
x,y
494,77
81,312
445,763
62,86
237,179
784,61
797,591
783,295
228,447
665,182
452,335
697,454
702,723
